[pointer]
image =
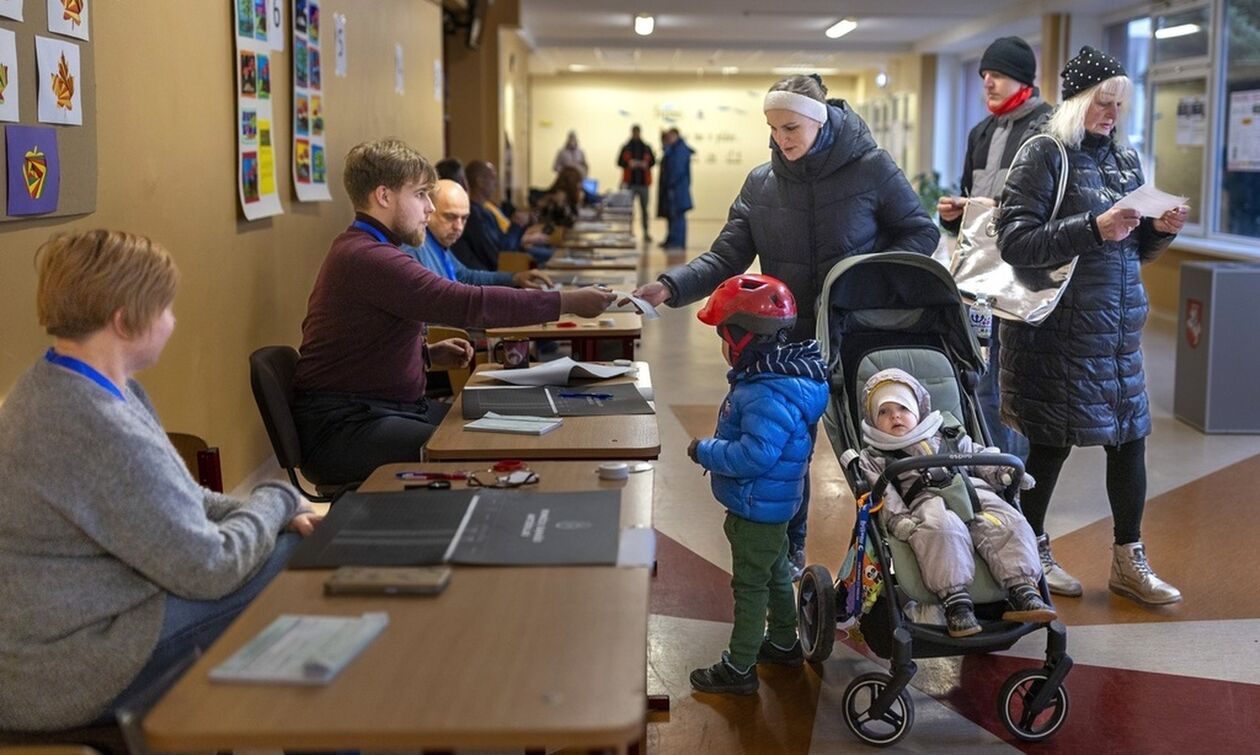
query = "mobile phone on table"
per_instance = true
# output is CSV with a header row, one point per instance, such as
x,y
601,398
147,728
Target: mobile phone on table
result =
x,y
388,580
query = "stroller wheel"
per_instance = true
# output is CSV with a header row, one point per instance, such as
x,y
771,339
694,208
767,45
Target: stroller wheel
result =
x,y
816,613
1026,724
883,730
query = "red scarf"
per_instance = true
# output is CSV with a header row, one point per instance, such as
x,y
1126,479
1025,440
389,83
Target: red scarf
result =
x,y
1012,102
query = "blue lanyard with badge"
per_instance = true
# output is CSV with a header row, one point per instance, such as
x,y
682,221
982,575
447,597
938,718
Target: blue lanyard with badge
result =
x,y
84,369
372,231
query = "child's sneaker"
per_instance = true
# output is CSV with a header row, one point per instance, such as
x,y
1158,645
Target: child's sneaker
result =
x,y
1027,606
772,653
724,679
960,615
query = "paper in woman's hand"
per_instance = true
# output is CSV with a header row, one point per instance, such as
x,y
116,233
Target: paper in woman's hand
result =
x,y
1149,201
628,302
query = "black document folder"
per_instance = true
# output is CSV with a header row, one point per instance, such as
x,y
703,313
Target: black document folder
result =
x,y
588,400
489,527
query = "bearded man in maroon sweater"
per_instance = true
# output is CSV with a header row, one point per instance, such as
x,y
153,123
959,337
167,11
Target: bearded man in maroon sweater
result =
x,y
361,376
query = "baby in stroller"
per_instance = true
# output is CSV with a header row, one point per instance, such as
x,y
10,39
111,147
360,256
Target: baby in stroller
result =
x,y
915,512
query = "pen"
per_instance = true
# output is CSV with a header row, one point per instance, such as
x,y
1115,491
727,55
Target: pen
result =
x,y
432,475
602,396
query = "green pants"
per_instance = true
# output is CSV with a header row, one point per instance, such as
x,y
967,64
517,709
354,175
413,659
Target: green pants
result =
x,y
761,579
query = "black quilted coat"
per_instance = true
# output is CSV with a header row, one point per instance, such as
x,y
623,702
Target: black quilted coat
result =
x,y
802,217
1076,379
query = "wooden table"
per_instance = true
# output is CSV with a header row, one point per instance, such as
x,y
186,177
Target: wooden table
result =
x,y
504,658
599,241
583,334
633,436
583,261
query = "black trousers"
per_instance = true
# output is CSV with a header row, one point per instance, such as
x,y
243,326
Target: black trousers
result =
x,y
344,437
1126,486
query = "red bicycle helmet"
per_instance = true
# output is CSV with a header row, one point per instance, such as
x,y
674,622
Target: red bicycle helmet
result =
x,y
758,304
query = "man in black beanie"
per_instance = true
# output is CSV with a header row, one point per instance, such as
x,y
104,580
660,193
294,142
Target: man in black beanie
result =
x,y
1009,69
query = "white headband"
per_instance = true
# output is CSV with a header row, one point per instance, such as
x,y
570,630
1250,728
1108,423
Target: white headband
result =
x,y
797,103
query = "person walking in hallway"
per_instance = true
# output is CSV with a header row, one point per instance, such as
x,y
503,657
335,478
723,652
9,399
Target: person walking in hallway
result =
x,y
674,198
636,160
1077,379
1009,69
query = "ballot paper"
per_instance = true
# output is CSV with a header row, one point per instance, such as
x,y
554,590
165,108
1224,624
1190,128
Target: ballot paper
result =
x,y
556,372
1149,201
633,303
299,649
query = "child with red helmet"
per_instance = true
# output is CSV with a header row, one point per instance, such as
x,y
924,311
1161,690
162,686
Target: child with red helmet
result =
x,y
759,458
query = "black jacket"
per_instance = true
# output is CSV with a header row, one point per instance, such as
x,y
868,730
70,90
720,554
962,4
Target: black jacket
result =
x,y
801,218
1077,379
978,142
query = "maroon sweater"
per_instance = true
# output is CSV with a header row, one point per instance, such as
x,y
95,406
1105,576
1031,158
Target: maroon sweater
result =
x,y
365,321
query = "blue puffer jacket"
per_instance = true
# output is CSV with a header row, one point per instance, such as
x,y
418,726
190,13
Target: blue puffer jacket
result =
x,y
760,454
1077,378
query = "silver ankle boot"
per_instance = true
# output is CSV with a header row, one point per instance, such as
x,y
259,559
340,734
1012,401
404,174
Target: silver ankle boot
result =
x,y
1132,577
1058,580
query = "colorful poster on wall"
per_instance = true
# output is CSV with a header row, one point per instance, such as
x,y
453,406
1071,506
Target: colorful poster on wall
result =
x,y
60,86
309,183
34,179
255,160
1243,150
11,9
68,17
8,76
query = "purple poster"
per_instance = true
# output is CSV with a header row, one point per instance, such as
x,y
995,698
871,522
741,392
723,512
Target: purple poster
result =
x,y
34,169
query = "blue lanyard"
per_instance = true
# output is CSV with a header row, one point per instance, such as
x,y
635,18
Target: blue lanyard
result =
x,y
372,231
84,369
447,265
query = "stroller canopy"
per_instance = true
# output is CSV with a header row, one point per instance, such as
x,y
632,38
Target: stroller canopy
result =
x,y
895,293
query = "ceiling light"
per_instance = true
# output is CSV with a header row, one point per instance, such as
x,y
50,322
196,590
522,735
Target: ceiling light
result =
x,y
643,24
841,28
881,79
578,67
806,70
1180,30
728,70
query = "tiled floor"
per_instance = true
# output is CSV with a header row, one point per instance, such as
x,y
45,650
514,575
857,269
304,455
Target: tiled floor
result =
x,y
1179,679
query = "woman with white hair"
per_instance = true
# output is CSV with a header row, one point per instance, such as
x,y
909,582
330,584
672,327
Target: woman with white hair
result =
x,y
828,192
1077,379
571,156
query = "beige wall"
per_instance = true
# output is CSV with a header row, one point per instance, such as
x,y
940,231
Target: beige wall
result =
x,y
514,112
719,116
166,113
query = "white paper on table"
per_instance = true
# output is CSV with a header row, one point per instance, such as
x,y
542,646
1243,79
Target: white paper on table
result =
x,y
636,546
301,649
1149,201
557,372
633,304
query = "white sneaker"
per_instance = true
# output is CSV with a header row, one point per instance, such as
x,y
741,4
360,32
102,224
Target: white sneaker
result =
x,y
1132,577
1058,580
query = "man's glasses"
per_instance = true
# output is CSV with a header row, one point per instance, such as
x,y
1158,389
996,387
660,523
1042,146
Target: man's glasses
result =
x,y
510,480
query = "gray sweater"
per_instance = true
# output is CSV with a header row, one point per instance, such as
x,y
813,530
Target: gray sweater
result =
x,y
99,521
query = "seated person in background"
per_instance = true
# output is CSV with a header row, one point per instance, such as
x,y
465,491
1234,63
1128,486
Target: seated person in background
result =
x,y
561,202
943,544
489,231
360,380
116,563
446,225
452,169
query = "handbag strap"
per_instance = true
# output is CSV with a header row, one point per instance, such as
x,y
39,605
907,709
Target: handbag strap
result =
x,y
1061,184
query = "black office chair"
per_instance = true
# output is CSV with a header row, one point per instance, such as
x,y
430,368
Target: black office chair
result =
x,y
271,371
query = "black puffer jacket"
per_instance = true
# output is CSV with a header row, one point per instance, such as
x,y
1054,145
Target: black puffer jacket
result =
x,y
1076,379
802,217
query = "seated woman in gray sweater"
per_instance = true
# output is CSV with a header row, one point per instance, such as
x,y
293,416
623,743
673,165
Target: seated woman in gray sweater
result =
x,y
115,562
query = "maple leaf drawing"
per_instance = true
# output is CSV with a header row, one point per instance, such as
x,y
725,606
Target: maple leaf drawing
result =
x,y
63,84
73,11
4,81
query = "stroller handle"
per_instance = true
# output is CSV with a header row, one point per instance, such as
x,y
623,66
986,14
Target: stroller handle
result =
x,y
896,468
